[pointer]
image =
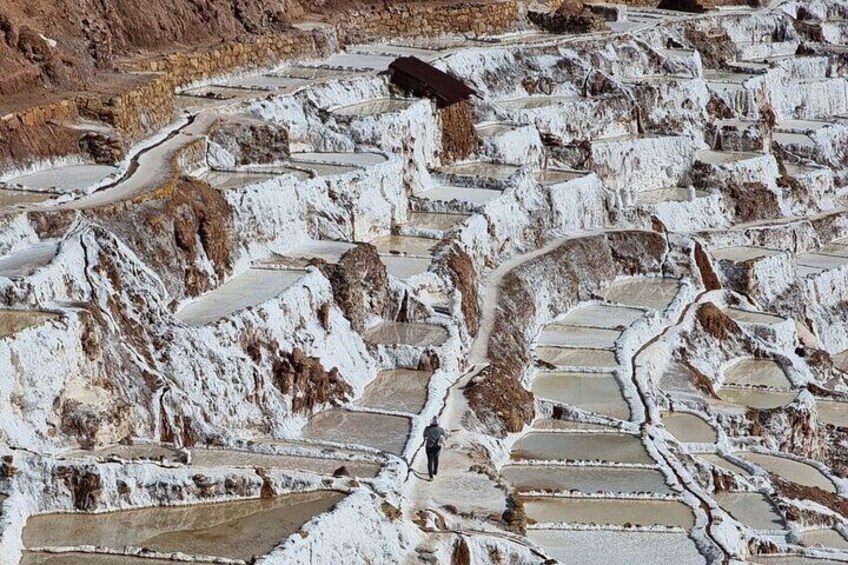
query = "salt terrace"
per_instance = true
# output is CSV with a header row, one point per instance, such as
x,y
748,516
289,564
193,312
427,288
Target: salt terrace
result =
x,y
602,244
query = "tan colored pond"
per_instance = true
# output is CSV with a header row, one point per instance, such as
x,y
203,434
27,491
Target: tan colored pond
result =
x,y
400,390
618,512
321,466
372,107
615,547
753,317
791,470
138,451
833,412
380,431
689,428
558,335
234,530
70,558
434,221
405,245
576,357
741,253
485,169
762,399
592,392
611,447
824,538
721,462
753,509
402,333
587,479
602,316
14,321
654,293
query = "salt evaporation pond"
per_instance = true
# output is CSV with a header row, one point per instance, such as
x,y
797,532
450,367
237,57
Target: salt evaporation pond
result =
x,y
494,129
233,530
742,253
610,447
752,317
244,291
24,262
753,398
791,470
433,221
712,157
599,547
405,245
721,462
653,293
792,560
587,479
21,197
379,431
533,102
484,169
556,335
614,511
150,452
468,195
72,178
265,82
602,316
404,267
14,321
401,390
356,159
592,392
402,333
551,177
689,428
757,372
833,412
752,509
577,357
225,180
319,465
75,558
658,196
825,538
373,107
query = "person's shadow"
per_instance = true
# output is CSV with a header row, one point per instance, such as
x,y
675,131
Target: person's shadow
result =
x,y
420,475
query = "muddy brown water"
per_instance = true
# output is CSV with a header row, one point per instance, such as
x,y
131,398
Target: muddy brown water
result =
x,y
587,479
752,509
380,431
791,470
400,390
400,333
234,530
592,392
689,428
651,293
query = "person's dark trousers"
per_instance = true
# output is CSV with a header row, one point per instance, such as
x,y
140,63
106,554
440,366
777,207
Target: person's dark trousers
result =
x,y
433,460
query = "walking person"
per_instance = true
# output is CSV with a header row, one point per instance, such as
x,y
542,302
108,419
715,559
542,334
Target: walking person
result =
x,y
434,437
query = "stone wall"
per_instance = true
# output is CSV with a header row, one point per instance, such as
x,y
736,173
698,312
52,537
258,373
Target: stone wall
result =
x,y
38,132
429,20
137,112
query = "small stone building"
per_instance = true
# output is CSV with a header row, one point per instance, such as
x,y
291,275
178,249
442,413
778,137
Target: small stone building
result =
x,y
415,77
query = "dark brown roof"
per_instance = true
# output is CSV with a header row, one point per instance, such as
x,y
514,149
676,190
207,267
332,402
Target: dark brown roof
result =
x,y
422,79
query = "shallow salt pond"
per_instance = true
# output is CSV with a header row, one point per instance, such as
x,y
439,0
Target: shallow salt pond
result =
x,y
485,169
401,390
324,249
359,61
494,129
757,372
24,262
405,245
21,197
405,267
754,398
14,321
128,452
533,102
592,392
586,479
824,538
373,107
379,431
791,470
233,530
551,177
265,82
617,512
225,180
434,221
468,195
689,428
577,357
599,547
753,317
741,253
402,333
553,446
791,560
654,197
721,462
249,289
321,466
752,509
833,412
71,558
654,293
556,335
819,262
602,316
357,159
72,178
